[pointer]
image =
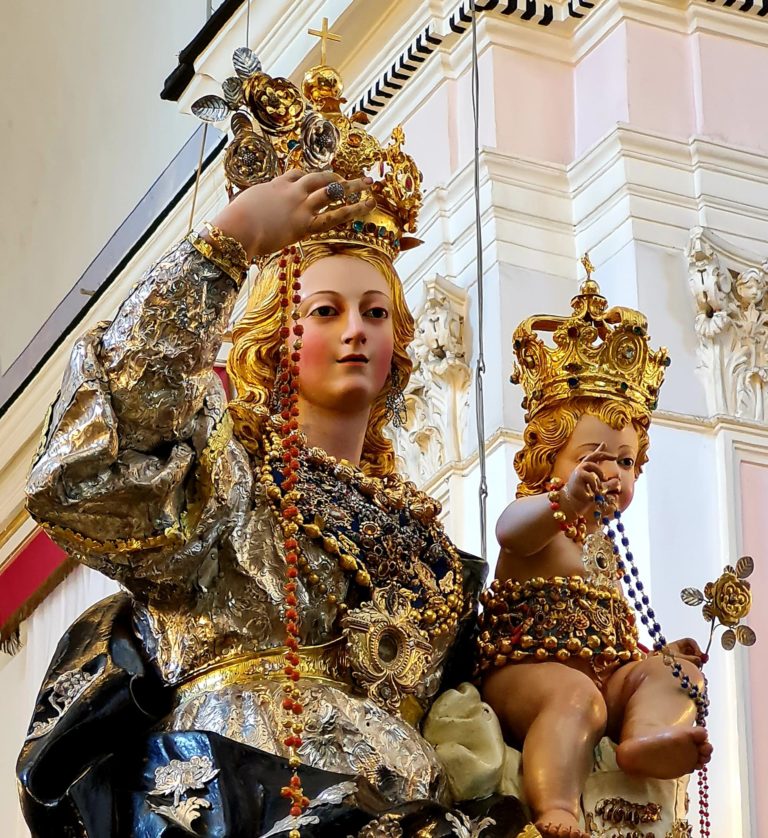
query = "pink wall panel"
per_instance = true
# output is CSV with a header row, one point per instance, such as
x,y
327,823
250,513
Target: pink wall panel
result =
x,y
601,93
732,74
754,504
534,106
660,81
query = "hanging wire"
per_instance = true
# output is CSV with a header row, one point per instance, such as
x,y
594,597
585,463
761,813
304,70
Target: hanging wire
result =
x,y
248,43
197,177
480,364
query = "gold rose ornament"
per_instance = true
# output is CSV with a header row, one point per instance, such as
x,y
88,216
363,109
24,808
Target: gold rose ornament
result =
x,y
726,602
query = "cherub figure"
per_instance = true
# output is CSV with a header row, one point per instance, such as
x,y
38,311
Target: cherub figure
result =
x,y
558,649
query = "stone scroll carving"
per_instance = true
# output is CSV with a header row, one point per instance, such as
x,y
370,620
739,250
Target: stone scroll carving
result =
x,y
437,395
730,288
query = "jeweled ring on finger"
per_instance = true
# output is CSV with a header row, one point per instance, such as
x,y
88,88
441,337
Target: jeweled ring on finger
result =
x,y
334,191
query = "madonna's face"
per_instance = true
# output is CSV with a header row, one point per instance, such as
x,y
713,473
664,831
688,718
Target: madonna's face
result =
x,y
346,311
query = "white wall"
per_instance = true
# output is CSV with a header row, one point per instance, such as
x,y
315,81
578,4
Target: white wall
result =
x,y
84,135
22,676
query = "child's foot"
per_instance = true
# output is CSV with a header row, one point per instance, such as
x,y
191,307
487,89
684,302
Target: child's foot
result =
x,y
665,753
557,823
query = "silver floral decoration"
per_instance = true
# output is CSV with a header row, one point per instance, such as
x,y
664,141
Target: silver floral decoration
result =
x,y
184,814
464,827
66,689
333,795
179,777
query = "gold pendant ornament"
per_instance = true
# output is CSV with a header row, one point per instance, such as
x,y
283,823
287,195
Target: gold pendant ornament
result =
x,y
600,564
387,653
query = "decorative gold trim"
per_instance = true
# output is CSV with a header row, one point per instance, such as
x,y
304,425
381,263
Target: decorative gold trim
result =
x,y
387,653
13,527
11,625
236,272
325,664
317,663
83,543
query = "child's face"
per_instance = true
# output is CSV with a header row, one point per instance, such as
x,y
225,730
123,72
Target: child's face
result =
x,y
619,455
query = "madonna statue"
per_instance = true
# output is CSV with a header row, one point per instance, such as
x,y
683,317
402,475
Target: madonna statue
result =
x,y
291,606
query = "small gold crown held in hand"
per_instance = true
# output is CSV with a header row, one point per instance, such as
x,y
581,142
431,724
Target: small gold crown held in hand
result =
x,y
598,351
278,127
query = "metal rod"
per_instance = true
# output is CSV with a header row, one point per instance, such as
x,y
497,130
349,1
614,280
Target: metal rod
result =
x,y
197,177
480,365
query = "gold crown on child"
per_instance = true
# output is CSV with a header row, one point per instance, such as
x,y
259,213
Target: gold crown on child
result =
x,y
278,127
598,351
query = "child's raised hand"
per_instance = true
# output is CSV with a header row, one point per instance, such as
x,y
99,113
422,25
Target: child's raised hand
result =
x,y
586,481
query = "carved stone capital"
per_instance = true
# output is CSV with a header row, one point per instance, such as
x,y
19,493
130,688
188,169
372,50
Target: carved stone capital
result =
x,y
437,395
730,289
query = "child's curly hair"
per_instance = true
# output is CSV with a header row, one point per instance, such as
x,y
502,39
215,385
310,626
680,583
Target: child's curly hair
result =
x,y
548,431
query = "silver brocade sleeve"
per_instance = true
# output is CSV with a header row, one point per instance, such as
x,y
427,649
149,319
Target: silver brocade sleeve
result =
x,y
136,408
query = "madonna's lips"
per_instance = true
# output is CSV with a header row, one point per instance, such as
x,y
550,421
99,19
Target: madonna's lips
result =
x,y
353,359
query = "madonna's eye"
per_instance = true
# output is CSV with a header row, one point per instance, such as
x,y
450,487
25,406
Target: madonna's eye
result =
x,y
377,313
323,311
626,462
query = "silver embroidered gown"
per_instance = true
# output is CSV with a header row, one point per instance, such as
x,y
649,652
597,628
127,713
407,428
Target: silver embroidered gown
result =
x,y
139,478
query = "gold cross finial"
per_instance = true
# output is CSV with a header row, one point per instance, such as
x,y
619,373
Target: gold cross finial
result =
x,y
325,35
588,266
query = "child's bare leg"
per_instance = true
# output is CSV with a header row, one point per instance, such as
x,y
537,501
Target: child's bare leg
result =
x,y
655,719
559,715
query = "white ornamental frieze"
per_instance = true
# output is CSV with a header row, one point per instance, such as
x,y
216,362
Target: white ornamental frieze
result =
x,y
730,289
437,395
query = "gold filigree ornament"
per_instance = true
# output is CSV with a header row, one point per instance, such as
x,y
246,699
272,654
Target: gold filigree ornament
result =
x,y
278,126
680,829
385,826
598,352
387,653
599,560
727,601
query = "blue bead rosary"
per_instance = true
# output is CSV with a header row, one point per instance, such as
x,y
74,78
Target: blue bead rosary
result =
x,y
640,601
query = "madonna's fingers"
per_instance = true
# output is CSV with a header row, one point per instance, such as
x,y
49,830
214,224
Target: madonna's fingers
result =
x,y
314,181
323,196
333,218
293,175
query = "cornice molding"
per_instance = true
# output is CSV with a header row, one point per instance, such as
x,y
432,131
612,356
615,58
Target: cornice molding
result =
x,y
578,28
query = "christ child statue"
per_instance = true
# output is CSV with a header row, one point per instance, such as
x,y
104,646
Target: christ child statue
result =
x,y
558,649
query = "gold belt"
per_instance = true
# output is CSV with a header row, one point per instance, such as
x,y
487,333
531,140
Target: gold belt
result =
x,y
323,664
316,663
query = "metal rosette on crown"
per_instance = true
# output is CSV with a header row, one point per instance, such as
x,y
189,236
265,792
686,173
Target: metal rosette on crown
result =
x,y
598,352
277,127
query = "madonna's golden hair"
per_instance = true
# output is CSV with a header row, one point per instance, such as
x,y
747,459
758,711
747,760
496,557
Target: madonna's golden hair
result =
x,y
254,358
548,432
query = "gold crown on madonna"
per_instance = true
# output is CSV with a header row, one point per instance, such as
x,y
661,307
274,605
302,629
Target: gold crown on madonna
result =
x,y
278,127
598,352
